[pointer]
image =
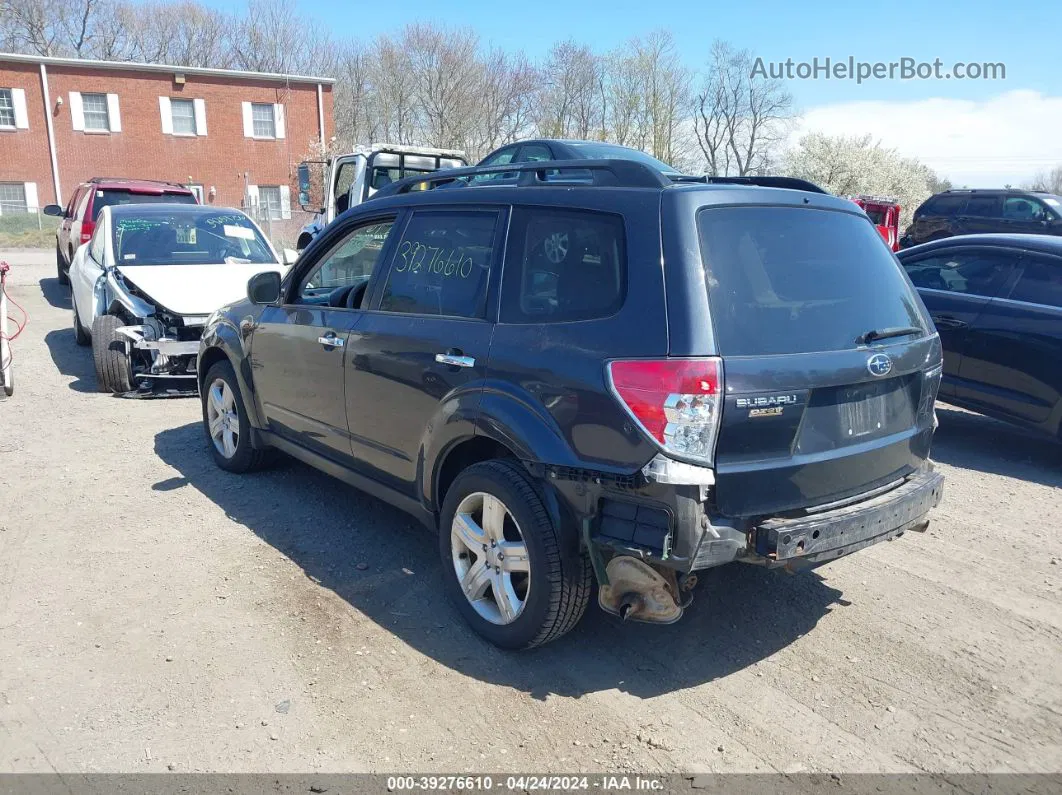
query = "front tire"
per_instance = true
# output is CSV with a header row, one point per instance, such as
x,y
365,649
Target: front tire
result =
x,y
504,561
110,353
226,424
62,267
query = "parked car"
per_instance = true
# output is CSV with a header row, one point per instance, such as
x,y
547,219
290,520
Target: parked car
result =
x,y
968,212
635,379
81,213
539,149
345,181
145,284
997,303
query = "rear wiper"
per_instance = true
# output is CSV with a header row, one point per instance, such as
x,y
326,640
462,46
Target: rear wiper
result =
x,y
887,333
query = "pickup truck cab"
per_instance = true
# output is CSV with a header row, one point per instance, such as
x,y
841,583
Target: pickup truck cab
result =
x,y
346,181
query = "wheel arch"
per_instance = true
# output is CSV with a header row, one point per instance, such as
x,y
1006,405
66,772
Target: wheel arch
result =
x,y
221,342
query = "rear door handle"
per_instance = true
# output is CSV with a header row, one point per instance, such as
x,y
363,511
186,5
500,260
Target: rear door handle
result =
x,y
455,360
330,340
947,321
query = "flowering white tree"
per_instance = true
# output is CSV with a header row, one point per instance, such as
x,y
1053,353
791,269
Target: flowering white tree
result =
x,y
847,165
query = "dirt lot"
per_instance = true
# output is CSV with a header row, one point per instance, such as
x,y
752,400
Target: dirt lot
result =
x,y
157,613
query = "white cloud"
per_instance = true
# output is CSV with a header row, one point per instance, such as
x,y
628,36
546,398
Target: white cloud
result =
x,y
989,143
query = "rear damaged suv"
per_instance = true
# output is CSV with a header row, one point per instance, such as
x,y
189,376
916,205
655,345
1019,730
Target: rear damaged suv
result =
x,y
594,372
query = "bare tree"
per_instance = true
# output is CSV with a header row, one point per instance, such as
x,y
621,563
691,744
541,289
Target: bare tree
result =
x,y
446,75
741,117
506,99
569,103
1049,181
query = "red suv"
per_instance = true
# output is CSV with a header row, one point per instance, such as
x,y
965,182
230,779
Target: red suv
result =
x,y
79,216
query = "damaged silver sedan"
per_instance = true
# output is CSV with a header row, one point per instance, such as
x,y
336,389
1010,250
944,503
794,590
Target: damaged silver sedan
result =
x,y
145,284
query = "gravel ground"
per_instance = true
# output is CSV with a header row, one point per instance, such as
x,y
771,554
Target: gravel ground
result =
x,y
159,614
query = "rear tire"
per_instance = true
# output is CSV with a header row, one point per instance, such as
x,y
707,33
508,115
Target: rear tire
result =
x,y
110,353
81,337
225,422
542,604
62,267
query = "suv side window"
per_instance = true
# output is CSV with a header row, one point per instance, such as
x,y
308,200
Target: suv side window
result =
x,y
943,205
441,264
563,265
96,247
1040,282
966,272
81,211
351,262
1018,208
983,207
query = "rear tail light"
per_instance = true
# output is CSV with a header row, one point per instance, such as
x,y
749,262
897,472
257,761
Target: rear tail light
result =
x,y
677,402
87,228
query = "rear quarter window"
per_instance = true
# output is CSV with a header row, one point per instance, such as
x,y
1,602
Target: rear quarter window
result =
x,y
787,280
563,265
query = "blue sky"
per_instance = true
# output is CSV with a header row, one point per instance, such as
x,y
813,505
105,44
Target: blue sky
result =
x,y
1024,37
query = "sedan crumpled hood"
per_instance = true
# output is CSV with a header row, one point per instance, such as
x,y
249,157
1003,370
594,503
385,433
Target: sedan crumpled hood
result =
x,y
194,289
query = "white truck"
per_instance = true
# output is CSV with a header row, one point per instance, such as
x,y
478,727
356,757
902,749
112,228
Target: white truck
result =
x,y
329,187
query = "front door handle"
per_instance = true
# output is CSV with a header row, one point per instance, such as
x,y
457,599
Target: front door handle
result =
x,y
330,340
947,321
455,360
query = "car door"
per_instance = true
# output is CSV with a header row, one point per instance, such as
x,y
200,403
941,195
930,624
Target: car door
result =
x,y
86,270
426,341
297,347
955,284
983,213
1013,356
70,229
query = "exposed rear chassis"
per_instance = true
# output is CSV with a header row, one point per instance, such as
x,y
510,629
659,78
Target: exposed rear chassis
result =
x,y
697,539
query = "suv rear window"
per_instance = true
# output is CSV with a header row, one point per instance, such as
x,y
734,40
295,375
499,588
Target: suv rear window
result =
x,y
563,265
797,280
109,198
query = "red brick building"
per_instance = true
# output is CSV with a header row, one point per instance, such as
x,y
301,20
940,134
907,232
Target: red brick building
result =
x,y
235,137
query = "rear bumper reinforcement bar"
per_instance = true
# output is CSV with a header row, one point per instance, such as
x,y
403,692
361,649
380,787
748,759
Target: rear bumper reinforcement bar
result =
x,y
827,536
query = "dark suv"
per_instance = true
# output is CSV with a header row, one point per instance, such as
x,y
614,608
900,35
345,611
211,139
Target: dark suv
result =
x,y
631,380
968,212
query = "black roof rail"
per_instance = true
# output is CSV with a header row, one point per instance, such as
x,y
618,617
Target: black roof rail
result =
x,y
611,173
790,183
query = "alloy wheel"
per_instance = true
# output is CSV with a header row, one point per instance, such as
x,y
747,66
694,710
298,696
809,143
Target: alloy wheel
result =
x,y
490,558
223,418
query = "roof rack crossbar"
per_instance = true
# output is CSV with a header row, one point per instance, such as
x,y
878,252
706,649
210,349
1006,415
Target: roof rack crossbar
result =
x,y
98,180
613,173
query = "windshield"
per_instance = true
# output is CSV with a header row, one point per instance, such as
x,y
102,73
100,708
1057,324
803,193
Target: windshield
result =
x,y
602,151
188,238
798,280
111,198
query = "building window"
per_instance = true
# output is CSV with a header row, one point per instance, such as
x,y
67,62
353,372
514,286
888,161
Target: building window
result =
x,y
13,198
7,108
94,106
183,113
264,121
269,201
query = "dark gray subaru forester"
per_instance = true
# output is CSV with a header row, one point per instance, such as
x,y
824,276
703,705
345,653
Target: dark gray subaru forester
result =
x,y
593,372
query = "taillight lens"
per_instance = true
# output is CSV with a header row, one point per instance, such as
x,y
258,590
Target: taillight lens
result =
x,y
678,402
87,228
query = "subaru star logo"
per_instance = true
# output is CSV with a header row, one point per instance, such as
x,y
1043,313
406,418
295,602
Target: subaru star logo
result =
x,y
879,364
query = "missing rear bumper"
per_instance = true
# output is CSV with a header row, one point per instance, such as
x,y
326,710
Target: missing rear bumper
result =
x,y
827,536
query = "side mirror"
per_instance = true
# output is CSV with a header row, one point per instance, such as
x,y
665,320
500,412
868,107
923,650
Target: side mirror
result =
x,y
264,288
310,193
54,210
289,255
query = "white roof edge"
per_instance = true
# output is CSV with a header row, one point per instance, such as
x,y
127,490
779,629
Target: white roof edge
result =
x,y
134,66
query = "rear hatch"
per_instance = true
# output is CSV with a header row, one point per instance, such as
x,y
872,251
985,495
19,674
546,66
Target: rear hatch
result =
x,y
111,197
830,364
